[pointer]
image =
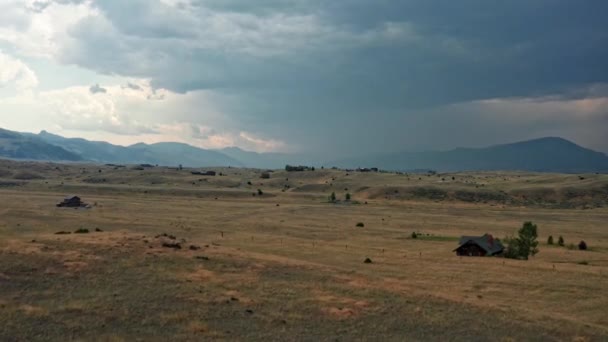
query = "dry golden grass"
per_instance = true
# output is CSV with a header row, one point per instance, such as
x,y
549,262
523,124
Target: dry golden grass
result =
x,y
293,271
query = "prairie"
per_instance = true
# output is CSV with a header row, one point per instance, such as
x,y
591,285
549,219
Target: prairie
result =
x,y
287,264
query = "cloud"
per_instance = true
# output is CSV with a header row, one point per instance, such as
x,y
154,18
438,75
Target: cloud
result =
x,y
40,28
133,86
16,73
210,138
332,77
96,88
129,115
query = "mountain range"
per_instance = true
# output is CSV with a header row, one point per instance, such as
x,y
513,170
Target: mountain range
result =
x,y
549,154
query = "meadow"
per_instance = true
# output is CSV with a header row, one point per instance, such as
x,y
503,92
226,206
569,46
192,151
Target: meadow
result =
x,y
273,259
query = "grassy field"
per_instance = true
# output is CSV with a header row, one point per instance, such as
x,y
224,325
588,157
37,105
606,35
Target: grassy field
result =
x,y
288,265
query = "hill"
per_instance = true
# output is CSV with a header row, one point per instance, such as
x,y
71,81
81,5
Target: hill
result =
x,y
14,145
160,153
540,155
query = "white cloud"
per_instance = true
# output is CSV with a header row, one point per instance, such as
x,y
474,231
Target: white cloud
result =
x,y
130,113
43,32
16,73
211,138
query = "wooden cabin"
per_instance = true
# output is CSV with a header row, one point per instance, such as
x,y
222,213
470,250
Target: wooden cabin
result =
x,y
70,201
484,245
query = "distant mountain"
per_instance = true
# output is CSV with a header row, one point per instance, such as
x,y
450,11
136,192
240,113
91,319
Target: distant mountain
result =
x,y
266,160
541,155
17,146
168,153
102,152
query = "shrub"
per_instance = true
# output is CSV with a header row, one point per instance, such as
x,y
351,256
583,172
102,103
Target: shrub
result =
x,y
81,231
260,192
360,224
414,235
582,246
347,197
550,240
560,241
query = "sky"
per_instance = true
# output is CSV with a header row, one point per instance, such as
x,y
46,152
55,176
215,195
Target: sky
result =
x,y
326,78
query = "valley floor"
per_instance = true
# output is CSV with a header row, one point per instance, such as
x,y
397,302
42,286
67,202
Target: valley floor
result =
x,y
287,266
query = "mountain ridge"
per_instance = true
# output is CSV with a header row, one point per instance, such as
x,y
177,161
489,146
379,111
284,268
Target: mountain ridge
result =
x,y
547,154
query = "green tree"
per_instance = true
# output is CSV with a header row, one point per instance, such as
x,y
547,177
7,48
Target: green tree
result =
x,y
525,244
347,197
550,240
560,241
332,197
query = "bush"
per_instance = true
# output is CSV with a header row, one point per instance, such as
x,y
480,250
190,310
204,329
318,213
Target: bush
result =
x,y
81,231
414,235
260,192
582,246
550,240
347,197
560,241
360,224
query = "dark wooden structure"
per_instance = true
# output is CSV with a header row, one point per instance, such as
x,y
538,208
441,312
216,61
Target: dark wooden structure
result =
x,y
71,202
484,245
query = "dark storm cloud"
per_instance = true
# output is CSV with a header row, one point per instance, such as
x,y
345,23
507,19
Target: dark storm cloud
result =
x,y
315,66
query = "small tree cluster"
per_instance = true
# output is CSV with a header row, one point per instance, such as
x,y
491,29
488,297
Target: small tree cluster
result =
x,y
524,244
294,168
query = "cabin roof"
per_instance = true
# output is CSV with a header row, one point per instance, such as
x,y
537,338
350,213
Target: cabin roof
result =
x,y
487,242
